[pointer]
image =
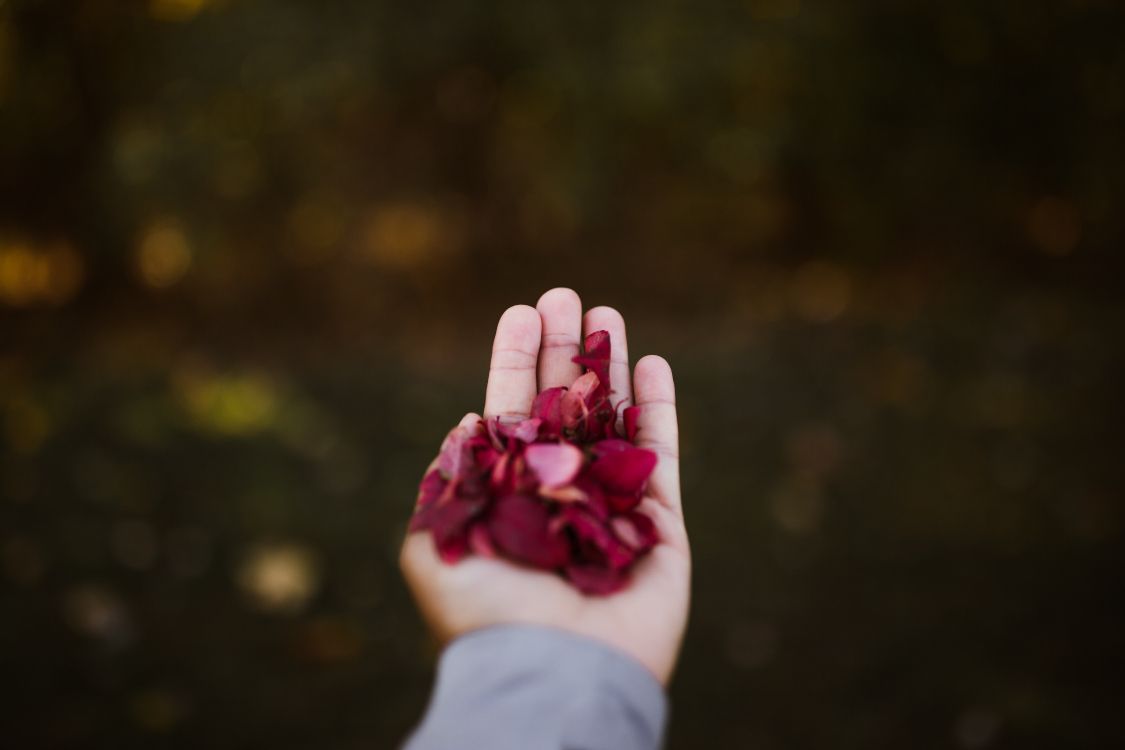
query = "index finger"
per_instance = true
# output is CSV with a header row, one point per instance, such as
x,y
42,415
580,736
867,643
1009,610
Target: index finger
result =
x,y
511,376
657,428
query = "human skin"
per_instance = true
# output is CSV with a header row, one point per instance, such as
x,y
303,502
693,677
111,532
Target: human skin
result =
x,y
532,351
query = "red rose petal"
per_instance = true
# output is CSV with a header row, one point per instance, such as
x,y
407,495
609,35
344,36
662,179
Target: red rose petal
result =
x,y
596,541
449,524
495,434
480,542
555,464
595,356
631,416
635,530
593,579
500,478
623,503
546,408
456,457
596,502
527,430
574,406
621,467
519,526
433,484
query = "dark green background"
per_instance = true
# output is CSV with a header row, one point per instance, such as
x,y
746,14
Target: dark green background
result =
x,y
880,243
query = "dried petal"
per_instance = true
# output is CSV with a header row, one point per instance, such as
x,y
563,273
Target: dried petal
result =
x,y
596,541
596,502
480,542
495,434
456,457
595,356
500,479
586,388
622,503
593,579
635,530
519,527
631,416
527,430
574,406
621,467
546,408
555,464
450,523
433,484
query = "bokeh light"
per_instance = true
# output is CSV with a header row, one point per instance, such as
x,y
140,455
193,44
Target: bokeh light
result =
x,y
279,577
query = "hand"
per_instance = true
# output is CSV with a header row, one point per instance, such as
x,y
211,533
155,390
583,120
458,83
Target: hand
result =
x,y
532,351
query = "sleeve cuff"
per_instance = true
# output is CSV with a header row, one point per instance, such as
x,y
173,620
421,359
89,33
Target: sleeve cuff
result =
x,y
523,686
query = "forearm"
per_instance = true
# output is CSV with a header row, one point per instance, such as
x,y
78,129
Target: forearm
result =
x,y
531,687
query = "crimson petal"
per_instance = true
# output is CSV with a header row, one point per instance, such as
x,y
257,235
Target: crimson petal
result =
x,y
519,527
527,430
595,356
597,543
622,468
636,531
632,416
593,579
546,408
456,457
449,523
433,484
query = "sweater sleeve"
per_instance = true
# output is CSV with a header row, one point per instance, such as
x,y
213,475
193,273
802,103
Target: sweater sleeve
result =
x,y
538,688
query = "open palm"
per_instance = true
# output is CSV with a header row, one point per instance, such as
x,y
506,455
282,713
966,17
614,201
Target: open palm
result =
x,y
532,351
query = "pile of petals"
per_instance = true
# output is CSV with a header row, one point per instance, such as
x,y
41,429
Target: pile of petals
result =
x,y
557,491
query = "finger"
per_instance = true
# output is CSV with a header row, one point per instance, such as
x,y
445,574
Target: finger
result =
x,y
608,319
561,311
657,428
511,376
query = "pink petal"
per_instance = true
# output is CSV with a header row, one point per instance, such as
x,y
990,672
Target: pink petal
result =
x,y
527,430
496,434
520,528
555,464
586,388
456,458
636,531
622,468
546,408
574,406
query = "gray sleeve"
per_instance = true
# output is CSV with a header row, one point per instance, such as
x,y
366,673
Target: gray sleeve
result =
x,y
537,688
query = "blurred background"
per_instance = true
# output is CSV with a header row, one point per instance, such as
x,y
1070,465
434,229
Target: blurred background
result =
x,y
252,254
